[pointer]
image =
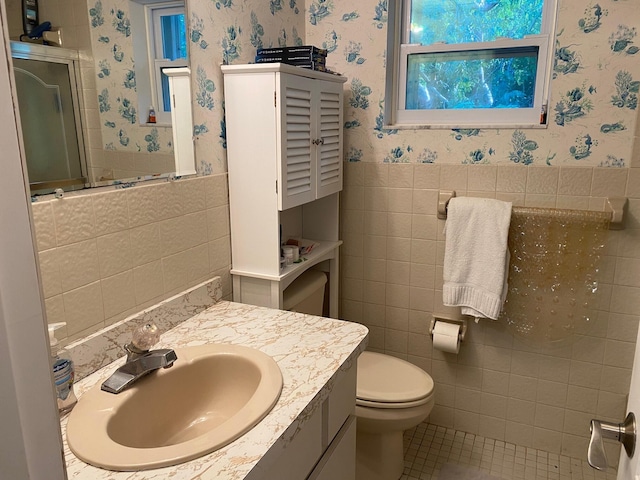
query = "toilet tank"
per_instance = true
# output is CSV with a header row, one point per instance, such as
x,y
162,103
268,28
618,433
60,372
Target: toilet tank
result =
x,y
306,293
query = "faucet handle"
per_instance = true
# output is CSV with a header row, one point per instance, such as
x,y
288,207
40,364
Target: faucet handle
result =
x,y
145,336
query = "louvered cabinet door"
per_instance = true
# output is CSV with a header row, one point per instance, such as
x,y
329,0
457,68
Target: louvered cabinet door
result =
x,y
329,138
297,182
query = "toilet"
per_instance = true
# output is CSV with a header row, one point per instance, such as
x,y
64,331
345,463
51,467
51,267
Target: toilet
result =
x,y
306,293
392,395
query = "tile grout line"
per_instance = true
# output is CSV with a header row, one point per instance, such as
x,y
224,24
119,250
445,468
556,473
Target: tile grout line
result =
x,y
428,447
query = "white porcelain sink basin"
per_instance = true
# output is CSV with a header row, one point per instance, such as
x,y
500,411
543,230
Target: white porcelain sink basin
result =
x,y
212,395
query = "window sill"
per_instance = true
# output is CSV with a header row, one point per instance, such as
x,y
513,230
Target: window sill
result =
x,y
157,124
404,126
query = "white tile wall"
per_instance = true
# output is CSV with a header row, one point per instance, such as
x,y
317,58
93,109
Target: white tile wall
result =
x,y
105,254
498,386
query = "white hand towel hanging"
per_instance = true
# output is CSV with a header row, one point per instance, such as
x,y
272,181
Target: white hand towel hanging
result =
x,y
476,258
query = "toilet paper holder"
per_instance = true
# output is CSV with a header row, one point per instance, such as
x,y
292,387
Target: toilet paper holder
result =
x,y
461,321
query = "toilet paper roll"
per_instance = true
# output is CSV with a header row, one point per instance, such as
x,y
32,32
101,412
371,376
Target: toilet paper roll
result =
x,y
446,337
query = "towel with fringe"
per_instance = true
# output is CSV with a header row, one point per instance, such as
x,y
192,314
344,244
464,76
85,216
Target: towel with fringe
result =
x,y
476,258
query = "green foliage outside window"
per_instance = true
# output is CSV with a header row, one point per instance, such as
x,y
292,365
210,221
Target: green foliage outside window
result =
x,y
464,21
488,78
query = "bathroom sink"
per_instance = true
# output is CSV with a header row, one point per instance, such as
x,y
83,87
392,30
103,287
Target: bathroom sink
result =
x,y
212,395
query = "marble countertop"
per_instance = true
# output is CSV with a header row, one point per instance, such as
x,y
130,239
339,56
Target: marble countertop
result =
x,y
313,353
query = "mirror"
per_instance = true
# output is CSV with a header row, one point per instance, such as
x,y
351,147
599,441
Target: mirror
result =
x,y
113,88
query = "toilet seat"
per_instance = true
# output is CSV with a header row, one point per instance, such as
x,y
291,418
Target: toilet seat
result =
x,y
389,382
415,403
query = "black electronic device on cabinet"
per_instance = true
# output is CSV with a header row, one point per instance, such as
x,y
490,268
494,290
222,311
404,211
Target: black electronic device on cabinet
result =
x,y
30,18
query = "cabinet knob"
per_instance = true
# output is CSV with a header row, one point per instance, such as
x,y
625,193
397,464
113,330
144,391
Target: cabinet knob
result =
x,y
318,141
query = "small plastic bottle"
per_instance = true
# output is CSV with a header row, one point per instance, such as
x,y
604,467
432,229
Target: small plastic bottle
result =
x,y
152,115
543,115
63,373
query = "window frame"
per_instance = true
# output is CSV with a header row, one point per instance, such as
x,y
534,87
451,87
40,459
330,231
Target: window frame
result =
x,y
399,50
157,62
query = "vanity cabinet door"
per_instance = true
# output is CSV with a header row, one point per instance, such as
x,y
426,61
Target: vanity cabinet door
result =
x,y
338,462
324,445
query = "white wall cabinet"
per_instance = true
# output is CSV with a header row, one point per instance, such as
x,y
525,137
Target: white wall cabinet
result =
x,y
284,153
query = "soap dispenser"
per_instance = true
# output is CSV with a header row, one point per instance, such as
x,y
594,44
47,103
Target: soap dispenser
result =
x,y
63,372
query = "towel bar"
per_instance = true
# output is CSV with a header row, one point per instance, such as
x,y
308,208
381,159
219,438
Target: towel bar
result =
x,y
615,205
443,202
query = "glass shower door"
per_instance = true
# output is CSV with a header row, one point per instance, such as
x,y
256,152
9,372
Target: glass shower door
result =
x,y
50,124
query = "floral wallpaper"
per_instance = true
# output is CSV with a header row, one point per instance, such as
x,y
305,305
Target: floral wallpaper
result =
x,y
229,32
594,92
591,111
112,44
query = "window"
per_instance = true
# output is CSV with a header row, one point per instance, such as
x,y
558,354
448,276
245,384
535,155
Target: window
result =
x,y
167,40
159,41
459,63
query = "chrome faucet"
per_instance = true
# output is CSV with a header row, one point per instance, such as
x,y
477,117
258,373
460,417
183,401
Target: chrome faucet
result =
x,y
140,360
138,367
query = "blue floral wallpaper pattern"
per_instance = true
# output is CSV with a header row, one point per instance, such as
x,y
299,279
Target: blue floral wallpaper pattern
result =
x,y
112,45
591,113
592,109
594,92
229,32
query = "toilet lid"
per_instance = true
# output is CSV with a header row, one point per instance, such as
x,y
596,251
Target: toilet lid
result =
x,y
383,378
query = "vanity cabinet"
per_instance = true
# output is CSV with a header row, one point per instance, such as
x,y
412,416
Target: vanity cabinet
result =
x,y
284,154
324,448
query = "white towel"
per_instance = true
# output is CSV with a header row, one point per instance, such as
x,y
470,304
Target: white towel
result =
x,y
476,255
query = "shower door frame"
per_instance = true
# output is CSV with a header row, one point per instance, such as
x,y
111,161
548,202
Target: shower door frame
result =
x,y
31,51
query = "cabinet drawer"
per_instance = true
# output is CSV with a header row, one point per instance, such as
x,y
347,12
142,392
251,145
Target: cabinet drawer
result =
x,y
341,402
301,454
339,461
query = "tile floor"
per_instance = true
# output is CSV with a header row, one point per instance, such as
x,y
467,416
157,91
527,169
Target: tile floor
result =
x,y
429,447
